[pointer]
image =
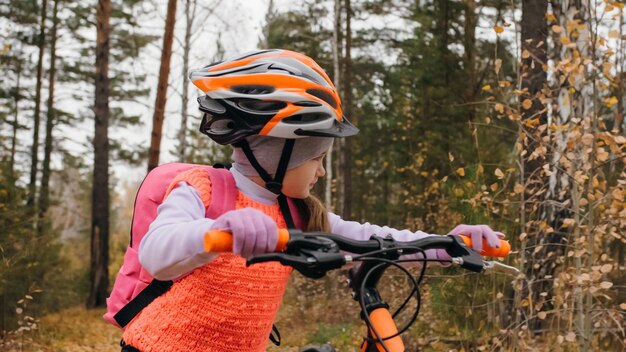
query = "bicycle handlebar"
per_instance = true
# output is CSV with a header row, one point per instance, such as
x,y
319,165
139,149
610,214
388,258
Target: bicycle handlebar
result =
x,y
222,241
315,253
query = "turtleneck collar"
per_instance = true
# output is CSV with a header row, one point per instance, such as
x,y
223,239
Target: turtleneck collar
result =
x,y
253,190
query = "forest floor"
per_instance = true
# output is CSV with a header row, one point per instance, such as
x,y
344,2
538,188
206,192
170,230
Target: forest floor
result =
x,y
71,330
78,329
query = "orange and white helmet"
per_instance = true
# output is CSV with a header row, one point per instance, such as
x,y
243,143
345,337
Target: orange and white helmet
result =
x,y
278,93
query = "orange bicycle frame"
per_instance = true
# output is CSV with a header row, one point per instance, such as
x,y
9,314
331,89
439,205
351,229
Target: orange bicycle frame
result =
x,y
383,322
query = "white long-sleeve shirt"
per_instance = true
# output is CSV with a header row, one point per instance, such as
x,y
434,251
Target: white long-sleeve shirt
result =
x,y
174,243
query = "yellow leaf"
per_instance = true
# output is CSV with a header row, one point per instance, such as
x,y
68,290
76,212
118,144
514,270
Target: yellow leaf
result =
x,y
460,171
486,88
499,174
458,192
587,139
542,315
614,34
623,306
498,29
526,104
568,222
606,285
525,54
450,156
556,28
606,268
550,17
611,101
564,40
494,187
499,108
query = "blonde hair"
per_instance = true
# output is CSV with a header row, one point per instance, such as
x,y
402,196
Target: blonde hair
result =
x,y
314,214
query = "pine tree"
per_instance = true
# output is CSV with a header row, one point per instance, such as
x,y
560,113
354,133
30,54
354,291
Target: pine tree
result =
x,y
99,274
159,105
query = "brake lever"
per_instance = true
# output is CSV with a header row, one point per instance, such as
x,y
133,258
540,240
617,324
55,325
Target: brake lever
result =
x,y
464,256
499,267
310,263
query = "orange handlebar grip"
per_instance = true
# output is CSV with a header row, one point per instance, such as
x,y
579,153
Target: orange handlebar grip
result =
x,y
503,251
385,326
218,241
283,238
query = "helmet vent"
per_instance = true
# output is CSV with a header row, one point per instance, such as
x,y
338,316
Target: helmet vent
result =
x,y
305,118
253,89
209,105
307,103
324,96
212,126
257,105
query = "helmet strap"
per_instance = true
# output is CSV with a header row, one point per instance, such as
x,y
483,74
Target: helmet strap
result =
x,y
275,184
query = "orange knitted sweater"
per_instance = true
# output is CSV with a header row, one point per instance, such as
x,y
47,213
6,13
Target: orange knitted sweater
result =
x,y
222,306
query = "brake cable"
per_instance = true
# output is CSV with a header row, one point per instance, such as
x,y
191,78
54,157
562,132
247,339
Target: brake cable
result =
x,y
416,282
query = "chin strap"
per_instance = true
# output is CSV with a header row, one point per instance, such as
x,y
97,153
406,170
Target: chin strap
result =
x,y
275,184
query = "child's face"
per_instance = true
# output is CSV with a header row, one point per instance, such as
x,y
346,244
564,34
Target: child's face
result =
x,y
299,181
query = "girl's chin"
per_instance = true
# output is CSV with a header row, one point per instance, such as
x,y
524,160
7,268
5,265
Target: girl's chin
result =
x,y
298,195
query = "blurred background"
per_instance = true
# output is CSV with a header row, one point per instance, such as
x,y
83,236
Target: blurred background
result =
x,y
508,113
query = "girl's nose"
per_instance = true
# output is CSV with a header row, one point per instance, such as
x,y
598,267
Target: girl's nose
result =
x,y
320,169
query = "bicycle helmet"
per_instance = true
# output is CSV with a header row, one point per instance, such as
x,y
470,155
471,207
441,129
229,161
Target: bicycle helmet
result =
x,y
278,93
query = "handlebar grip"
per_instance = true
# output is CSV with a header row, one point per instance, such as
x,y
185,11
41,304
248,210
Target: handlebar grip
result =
x,y
219,241
488,251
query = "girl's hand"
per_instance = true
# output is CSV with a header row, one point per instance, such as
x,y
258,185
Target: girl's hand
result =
x,y
477,233
253,231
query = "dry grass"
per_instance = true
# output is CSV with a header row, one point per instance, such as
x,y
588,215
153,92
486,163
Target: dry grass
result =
x,y
71,330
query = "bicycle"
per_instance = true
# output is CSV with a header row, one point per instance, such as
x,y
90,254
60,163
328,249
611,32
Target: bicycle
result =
x,y
313,254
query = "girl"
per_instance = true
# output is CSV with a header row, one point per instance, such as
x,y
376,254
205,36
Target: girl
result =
x,y
280,112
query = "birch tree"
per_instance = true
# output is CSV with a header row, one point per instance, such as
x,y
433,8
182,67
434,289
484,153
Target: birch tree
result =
x,y
337,49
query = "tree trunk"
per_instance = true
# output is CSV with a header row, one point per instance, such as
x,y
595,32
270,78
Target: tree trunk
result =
x,y
50,116
534,30
161,96
17,99
328,199
32,185
99,274
346,149
471,21
621,83
190,13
